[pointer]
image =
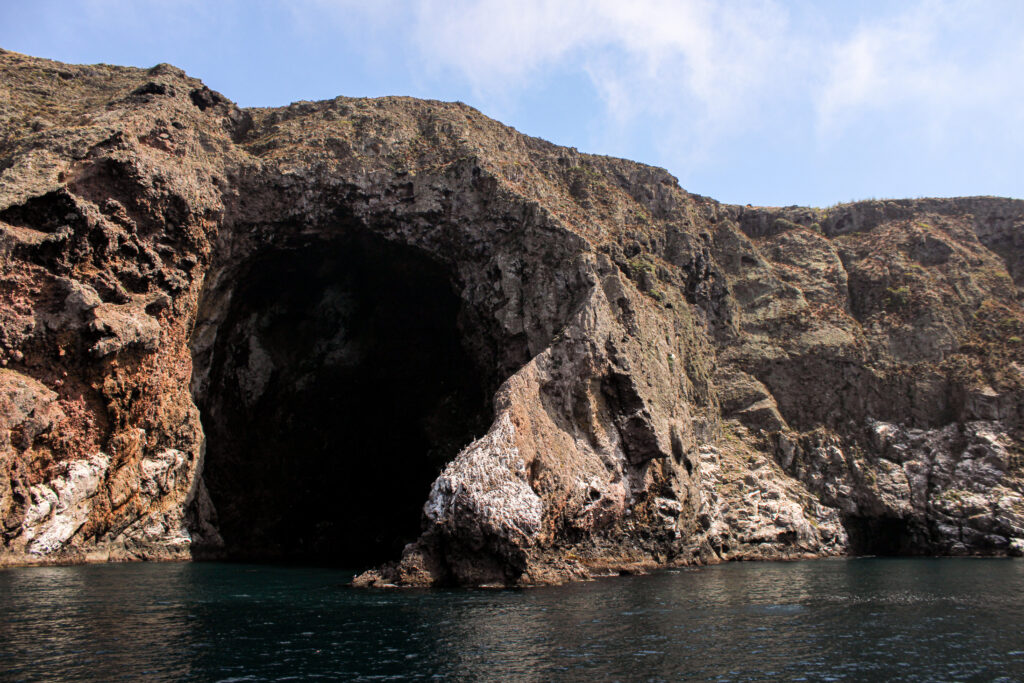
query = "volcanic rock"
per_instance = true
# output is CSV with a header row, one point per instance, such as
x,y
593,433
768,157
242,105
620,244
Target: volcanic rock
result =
x,y
394,333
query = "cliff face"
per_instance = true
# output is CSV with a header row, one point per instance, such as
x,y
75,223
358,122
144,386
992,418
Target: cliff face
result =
x,y
395,331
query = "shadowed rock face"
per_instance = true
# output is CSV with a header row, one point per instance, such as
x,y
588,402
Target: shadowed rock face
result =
x,y
333,367
395,332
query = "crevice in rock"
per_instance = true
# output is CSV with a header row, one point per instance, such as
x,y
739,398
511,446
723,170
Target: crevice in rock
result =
x,y
334,384
885,536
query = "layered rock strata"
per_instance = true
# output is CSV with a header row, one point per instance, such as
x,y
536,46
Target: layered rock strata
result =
x,y
393,329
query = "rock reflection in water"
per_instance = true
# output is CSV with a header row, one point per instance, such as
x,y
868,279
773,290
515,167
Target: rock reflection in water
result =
x,y
837,620
91,623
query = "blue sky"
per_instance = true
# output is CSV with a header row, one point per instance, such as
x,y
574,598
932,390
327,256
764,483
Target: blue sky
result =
x,y
748,101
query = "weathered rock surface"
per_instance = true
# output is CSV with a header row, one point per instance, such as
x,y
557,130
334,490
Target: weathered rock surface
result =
x,y
335,329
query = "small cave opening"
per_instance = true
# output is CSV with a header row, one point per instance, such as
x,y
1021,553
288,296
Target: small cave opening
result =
x,y
337,386
882,536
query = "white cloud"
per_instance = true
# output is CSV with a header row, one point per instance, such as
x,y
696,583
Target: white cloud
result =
x,y
645,50
490,42
941,63
706,72
698,68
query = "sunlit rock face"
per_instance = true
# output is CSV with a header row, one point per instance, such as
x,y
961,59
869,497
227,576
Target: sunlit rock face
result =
x,y
394,333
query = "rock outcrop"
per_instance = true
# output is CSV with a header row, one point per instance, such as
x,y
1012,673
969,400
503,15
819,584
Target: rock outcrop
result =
x,y
394,332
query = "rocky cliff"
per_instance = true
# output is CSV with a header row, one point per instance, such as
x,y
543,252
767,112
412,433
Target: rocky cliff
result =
x,y
396,333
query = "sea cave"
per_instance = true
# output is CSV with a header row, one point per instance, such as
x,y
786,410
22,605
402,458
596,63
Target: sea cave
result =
x,y
334,384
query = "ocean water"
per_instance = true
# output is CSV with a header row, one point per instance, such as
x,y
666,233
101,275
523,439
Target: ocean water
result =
x,y
858,619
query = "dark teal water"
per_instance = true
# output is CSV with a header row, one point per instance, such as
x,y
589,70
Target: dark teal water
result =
x,y
871,619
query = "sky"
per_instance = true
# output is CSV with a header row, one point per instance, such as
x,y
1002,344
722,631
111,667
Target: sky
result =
x,y
748,101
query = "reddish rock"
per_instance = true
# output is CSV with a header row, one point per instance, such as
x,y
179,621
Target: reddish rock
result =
x,y
396,332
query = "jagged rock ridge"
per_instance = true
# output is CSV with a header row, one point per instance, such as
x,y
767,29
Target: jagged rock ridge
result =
x,y
393,329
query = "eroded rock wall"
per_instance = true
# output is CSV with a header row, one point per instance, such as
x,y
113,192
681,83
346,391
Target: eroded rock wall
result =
x,y
668,380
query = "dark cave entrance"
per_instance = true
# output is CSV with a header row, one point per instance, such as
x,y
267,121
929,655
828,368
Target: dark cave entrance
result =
x,y
882,536
337,388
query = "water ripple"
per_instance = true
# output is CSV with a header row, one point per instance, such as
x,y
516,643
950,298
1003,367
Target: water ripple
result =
x,y
914,620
